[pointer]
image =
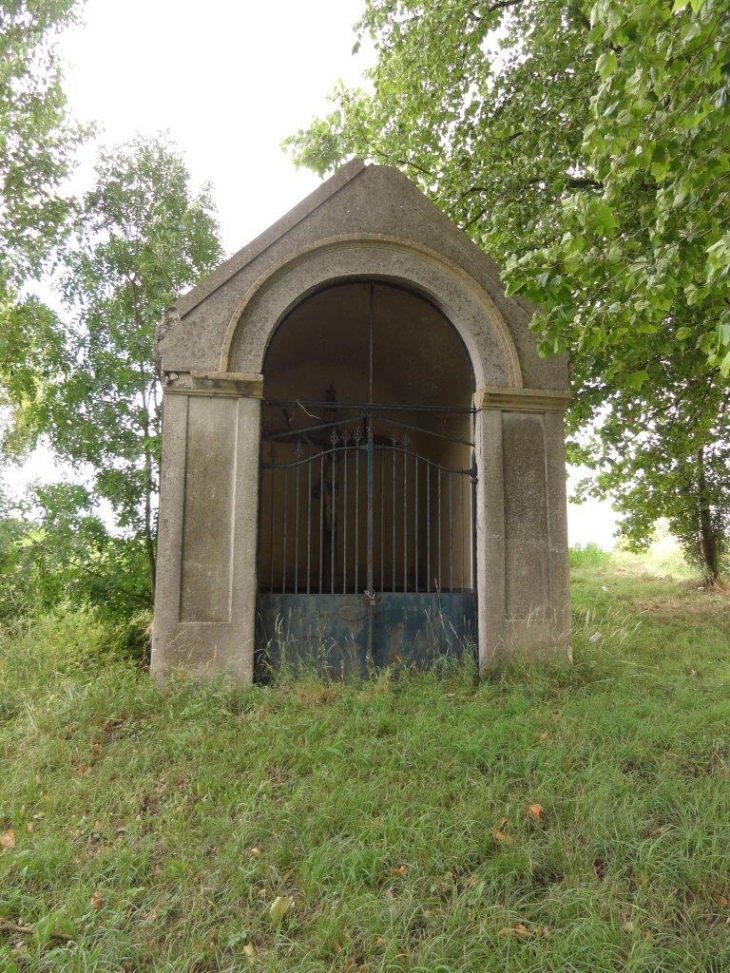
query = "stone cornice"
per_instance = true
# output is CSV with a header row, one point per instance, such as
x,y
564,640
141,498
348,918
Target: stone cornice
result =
x,y
521,400
230,385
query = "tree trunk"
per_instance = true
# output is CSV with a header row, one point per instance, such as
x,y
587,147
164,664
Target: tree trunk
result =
x,y
150,541
149,536
708,541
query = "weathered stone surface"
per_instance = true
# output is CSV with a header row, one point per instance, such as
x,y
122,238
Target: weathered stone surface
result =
x,y
366,223
208,510
206,579
527,542
359,202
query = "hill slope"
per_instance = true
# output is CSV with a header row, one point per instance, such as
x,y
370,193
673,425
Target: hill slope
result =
x,y
568,820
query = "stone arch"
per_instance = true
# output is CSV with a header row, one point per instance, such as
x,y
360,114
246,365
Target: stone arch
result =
x,y
459,298
366,224
354,343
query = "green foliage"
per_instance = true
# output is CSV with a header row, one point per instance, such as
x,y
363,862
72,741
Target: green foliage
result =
x,y
589,556
586,147
164,825
56,552
37,144
89,383
666,454
36,137
144,238
659,145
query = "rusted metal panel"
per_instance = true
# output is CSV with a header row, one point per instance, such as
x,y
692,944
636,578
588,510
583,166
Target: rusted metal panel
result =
x,y
330,633
325,632
419,629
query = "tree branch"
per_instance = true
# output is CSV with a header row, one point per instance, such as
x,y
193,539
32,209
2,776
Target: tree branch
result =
x,y
30,931
493,8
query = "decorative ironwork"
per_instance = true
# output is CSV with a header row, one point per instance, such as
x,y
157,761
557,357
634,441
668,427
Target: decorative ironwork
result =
x,y
373,503
363,513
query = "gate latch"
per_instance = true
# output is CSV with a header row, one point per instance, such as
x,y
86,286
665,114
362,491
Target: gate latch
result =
x,y
370,595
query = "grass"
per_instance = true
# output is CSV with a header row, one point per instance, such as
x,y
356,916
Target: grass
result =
x,y
570,819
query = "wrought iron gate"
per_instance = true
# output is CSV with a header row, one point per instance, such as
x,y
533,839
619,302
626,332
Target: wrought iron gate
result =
x,y
366,545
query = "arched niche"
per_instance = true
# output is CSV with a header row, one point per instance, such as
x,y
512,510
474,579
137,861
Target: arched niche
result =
x,y
223,371
461,301
354,359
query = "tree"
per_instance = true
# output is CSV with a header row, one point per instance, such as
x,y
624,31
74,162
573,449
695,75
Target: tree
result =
x,y
56,552
37,143
89,383
586,148
665,454
658,142
37,138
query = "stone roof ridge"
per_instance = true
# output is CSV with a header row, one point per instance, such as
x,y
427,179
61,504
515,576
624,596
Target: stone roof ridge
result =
x,y
217,278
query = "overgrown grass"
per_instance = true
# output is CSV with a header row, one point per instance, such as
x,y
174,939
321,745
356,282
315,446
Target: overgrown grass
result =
x,y
571,819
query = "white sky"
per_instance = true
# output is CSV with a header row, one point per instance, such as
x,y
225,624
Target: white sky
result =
x,y
229,80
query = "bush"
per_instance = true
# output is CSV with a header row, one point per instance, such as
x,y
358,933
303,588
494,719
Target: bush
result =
x,y
589,556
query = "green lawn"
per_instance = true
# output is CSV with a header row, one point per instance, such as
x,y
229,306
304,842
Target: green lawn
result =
x,y
562,820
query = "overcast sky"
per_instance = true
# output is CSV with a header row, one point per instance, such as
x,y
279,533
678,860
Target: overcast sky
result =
x,y
228,80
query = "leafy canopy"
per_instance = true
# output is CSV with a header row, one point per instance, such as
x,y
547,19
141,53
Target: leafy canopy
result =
x,y
88,382
585,146
37,144
37,138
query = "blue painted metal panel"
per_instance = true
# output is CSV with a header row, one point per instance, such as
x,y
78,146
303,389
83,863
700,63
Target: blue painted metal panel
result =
x,y
329,633
421,628
325,632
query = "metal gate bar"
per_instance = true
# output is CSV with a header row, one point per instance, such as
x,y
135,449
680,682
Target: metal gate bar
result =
x,y
328,532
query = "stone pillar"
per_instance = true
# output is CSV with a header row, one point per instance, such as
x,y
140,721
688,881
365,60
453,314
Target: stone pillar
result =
x,y
522,542
205,602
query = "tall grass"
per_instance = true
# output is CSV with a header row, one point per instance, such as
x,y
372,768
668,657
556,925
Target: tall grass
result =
x,y
552,819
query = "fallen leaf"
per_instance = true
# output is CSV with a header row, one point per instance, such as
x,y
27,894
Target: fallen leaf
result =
x,y
279,907
256,852
400,870
535,811
722,901
380,941
501,823
520,930
544,736
505,839
82,770
97,900
7,840
249,950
